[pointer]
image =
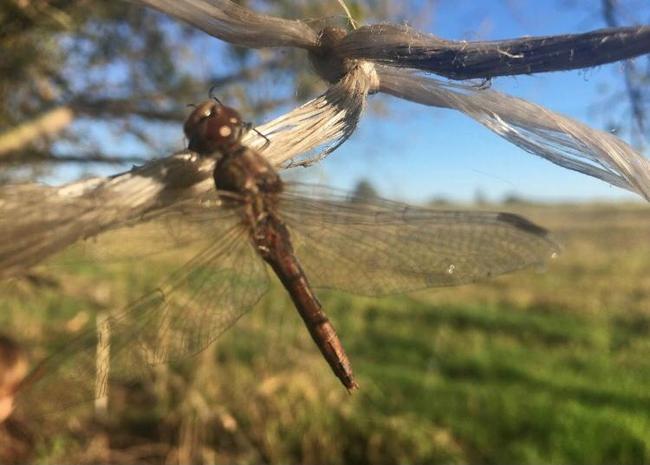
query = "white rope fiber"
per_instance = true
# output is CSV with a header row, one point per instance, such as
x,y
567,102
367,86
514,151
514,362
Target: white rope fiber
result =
x,y
39,220
559,139
44,220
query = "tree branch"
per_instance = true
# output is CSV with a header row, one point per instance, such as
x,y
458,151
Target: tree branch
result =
x,y
45,125
36,157
634,91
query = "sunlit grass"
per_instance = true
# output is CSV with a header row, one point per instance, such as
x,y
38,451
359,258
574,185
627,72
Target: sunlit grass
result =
x,y
535,367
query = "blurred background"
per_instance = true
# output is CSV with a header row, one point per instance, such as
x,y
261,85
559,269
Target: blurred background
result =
x,y
535,367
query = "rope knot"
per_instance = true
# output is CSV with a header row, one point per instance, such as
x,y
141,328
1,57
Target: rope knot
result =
x,y
330,65
324,57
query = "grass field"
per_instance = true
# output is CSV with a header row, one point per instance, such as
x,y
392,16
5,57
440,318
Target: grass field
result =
x,y
535,367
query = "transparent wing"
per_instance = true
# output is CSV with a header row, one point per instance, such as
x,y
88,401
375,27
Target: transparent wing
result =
x,y
379,247
200,301
172,234
373,247
185,313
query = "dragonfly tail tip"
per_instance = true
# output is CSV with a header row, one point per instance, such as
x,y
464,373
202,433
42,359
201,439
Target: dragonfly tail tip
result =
x,y
352,386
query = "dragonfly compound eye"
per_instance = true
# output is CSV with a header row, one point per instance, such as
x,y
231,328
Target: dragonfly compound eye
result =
x,y
213,127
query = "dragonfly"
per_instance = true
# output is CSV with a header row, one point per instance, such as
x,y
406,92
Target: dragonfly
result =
x,y
310,237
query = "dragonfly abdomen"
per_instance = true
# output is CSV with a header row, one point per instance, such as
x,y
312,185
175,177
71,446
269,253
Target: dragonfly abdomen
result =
x,y
274,245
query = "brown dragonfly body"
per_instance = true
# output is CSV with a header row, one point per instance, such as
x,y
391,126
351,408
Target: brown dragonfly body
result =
x,y
215,129
372,247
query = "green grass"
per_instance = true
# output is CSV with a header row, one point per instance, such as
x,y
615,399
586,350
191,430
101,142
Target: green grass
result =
x,y
531,368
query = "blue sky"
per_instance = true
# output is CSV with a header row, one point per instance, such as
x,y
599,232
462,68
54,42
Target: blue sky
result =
x,y
416,153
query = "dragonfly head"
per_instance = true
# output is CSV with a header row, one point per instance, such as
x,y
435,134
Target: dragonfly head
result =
x,y
213,127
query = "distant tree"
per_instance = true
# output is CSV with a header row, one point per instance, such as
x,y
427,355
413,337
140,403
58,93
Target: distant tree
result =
x,y
363,191
479,197
513,198
439,201
634,97
90,81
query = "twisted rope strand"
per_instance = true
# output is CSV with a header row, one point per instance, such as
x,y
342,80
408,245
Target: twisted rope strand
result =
x,y
370,59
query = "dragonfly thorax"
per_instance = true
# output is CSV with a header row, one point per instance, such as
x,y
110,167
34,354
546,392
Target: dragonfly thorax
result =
x,y
244,171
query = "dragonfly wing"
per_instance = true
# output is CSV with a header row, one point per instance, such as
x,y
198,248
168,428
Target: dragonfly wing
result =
x,y
188,311
200,301
160,235
381,247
